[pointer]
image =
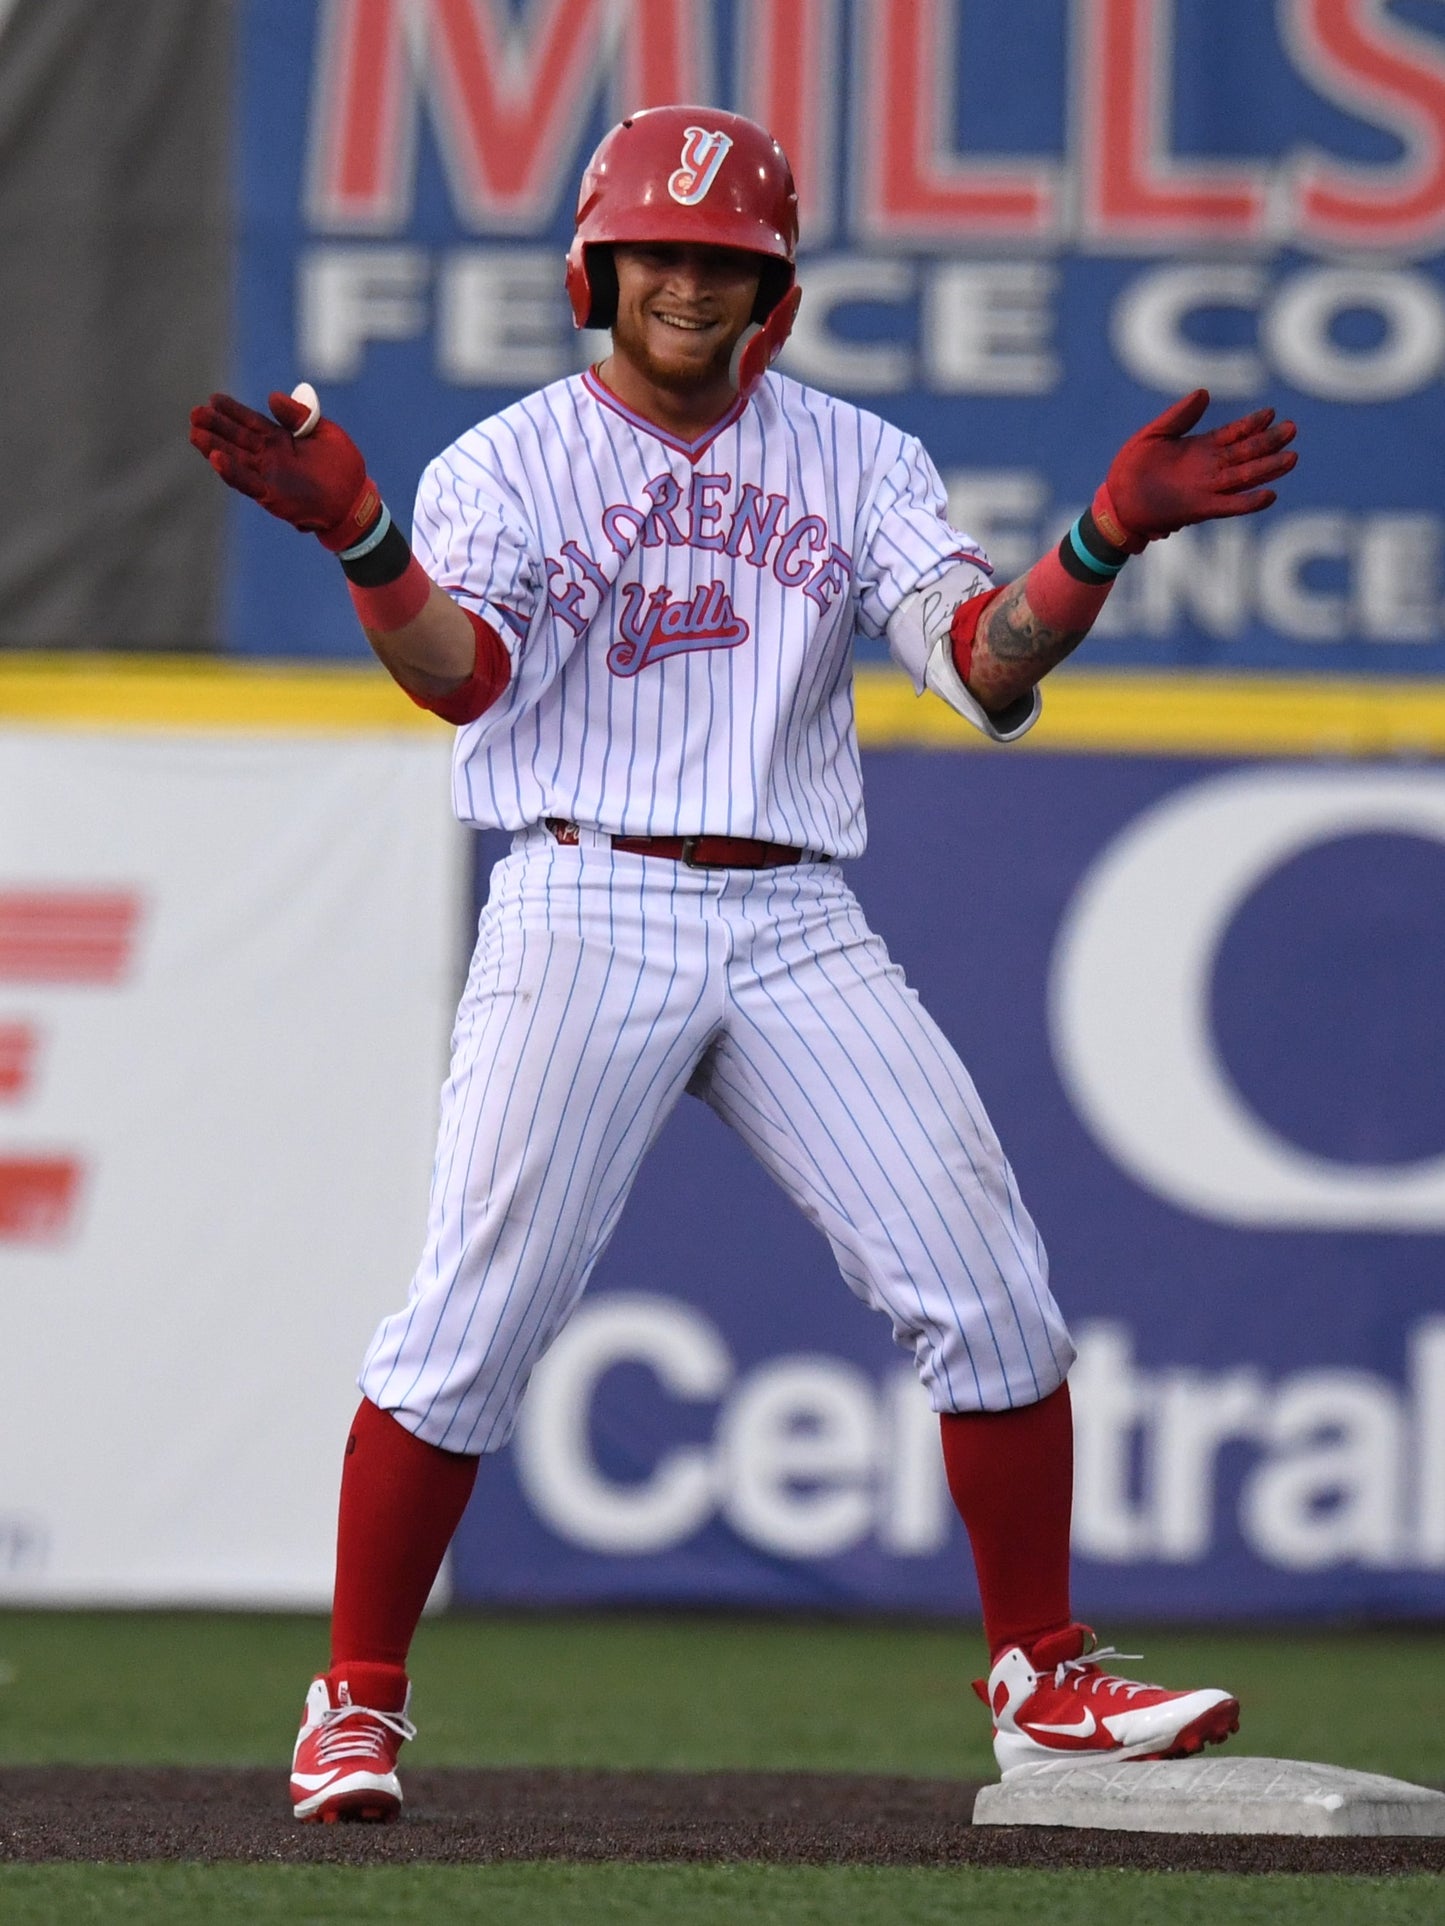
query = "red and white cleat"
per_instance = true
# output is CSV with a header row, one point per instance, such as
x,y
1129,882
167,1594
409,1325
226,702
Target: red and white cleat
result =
x,y
344,1765
1061,1705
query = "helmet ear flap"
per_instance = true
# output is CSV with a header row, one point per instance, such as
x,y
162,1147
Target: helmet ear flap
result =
x,y
758,347
592,286
773,283
602,278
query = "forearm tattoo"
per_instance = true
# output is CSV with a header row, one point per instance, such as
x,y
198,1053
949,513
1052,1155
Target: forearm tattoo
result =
x,y
1018,648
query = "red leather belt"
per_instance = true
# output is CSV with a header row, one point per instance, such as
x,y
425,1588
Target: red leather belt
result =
x,y
698,852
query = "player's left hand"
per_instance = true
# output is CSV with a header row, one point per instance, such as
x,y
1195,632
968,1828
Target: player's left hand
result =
x,y
1164,478
313,477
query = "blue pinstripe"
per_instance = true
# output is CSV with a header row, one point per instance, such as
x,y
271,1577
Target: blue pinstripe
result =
x,y
886,1066
822,1115
887,994
571,1271
670,978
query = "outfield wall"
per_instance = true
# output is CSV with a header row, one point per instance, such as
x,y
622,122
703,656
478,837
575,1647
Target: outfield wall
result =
x,y
1186,942
230,946
1186,935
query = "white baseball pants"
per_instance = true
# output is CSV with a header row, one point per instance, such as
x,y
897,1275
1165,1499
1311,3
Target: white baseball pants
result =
x,y
603,986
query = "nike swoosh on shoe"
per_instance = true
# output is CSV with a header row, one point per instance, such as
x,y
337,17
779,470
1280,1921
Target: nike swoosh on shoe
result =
x,y
1083,1728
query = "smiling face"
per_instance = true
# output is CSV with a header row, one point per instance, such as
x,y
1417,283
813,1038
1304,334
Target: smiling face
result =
x,y
680,310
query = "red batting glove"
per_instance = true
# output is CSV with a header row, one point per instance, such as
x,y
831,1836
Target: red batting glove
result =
x,y
318,484
1164,478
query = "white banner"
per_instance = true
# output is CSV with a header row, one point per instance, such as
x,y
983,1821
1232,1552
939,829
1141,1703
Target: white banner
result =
x,y
228,965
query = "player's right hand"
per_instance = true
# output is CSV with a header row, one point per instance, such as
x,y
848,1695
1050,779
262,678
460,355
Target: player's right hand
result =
x,y
317,482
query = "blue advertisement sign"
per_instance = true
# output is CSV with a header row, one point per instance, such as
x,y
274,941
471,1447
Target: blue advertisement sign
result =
x,y
1200,1000
1027,225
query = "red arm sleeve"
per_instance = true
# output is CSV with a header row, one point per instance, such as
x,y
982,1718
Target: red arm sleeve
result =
x,y
491,672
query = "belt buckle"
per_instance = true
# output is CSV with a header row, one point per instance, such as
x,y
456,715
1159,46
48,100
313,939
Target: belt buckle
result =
x,y
688,854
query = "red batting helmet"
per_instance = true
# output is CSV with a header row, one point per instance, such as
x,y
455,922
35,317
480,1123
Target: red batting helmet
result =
x,y
692,174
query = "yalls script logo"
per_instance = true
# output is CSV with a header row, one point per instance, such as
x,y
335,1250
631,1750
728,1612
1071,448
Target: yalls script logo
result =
x,y
658,626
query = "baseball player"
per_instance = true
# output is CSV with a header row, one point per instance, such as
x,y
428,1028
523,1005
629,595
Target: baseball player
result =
x,y
635,594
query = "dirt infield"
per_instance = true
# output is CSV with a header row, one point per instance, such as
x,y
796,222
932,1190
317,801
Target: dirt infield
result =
x,y
466,1817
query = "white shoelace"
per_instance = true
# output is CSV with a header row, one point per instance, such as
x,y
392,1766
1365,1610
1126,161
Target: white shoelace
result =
x,y
342,1736
1105,1682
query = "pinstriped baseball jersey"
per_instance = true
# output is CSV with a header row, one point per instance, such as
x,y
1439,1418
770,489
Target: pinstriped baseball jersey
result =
x,y
680,615
681,619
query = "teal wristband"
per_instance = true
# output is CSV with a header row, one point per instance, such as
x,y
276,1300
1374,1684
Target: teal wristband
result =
x,y
1105,569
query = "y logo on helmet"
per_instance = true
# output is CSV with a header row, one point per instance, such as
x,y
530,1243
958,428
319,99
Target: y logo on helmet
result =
x,y
703,153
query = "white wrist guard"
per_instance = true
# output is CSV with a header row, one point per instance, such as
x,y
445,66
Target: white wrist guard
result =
x,y
918,635
941,675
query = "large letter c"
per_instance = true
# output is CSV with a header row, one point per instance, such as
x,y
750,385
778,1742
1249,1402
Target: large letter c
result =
x,y
1129,998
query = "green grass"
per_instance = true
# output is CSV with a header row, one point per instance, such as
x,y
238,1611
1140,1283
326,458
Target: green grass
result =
x,y
685,1693
551,1895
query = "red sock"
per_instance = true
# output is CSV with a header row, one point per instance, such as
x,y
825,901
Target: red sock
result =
x,y
401,1500
1011,1476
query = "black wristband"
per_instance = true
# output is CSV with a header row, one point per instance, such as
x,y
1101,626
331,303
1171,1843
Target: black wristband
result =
x,y
1087,557
385,563
1080,571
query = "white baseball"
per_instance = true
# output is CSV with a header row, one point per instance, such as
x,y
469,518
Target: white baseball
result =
x,y
311,402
